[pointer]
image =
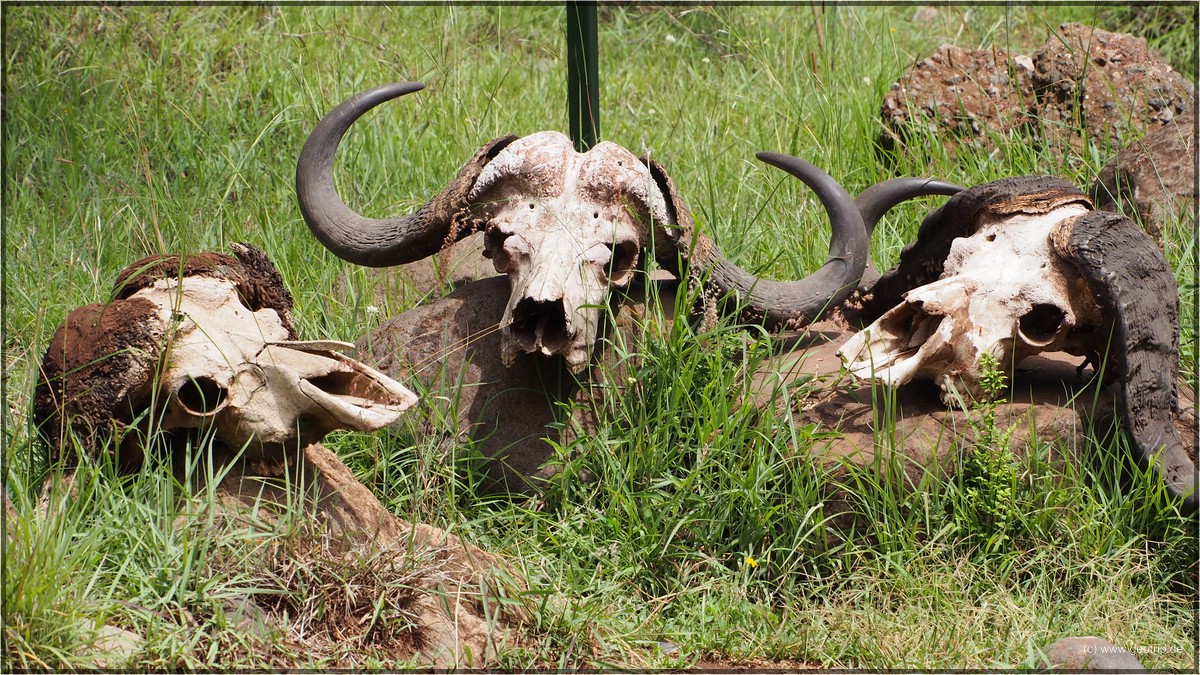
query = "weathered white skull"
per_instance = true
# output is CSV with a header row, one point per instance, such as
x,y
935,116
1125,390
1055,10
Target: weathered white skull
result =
x,y
204,344
565,227
234,370
1023,265
1004,293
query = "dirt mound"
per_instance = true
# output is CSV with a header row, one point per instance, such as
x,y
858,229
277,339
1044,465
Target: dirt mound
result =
x,y
367,584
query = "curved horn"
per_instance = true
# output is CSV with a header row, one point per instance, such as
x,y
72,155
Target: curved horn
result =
x,y
880,198
369,241
788,304
775,304
1138,295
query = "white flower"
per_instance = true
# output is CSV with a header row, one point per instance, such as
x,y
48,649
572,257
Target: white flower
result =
x,y
372,309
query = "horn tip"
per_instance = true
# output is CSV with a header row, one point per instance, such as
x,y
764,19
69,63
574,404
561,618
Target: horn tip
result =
x,y
779,160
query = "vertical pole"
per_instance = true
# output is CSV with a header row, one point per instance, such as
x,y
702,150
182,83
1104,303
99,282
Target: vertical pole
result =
x,y
583,79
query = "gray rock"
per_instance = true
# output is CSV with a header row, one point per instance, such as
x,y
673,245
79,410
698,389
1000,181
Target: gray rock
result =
x,y
1091,654
112,647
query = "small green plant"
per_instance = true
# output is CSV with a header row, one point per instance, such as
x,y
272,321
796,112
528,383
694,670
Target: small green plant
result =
x,y
986,493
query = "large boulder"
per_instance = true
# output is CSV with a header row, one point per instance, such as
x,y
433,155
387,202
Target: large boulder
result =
x,y
1082,84
1106,84
969,95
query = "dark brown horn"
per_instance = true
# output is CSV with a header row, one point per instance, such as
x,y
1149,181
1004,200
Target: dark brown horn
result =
x,y
788,304
775,304
880,198
379,242
1138,295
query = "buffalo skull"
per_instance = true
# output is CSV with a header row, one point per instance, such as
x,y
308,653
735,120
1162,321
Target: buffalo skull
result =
x,y
203,344
568,227
1021,266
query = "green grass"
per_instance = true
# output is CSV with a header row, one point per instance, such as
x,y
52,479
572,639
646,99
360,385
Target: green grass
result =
x,y
138,130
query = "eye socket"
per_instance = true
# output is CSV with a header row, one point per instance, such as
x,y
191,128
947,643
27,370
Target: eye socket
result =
x,y
202,396
623,258
493,247
1041,323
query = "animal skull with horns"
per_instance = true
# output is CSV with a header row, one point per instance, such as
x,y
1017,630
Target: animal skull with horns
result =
x,y
567,227
1021,266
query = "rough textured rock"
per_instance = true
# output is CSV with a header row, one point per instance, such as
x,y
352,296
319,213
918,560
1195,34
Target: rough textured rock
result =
x,y
113,647
1153,179
1107,86
1091,654
1107,83
960,93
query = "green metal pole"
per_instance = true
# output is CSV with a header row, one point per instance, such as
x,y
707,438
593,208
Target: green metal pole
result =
x,y
583,79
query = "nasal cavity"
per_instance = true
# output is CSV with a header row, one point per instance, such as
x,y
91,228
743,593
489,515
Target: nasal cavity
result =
x,y
538,323
353,388
909,326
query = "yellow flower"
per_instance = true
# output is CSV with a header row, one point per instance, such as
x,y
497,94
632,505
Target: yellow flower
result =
x,y
751,562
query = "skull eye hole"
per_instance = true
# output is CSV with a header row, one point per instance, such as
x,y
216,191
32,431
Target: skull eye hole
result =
x,y
621,262
1041,323
202,396
493,247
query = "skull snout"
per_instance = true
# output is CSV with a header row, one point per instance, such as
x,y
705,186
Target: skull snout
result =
x,y
333,390
899,344
541,325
